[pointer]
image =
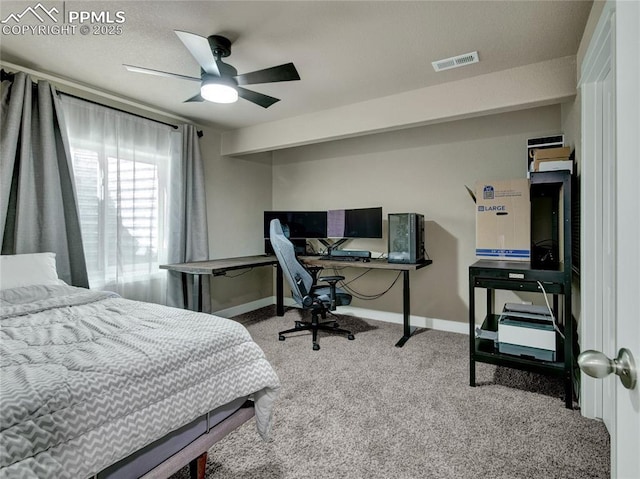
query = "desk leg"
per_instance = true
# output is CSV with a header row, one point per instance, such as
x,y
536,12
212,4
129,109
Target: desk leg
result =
x,y
185,290
279,291
472,328
406,310
197,293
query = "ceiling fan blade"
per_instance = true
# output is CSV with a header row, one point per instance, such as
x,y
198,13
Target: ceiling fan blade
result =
x,y
159,73
261,99
201,50
286,72
194,98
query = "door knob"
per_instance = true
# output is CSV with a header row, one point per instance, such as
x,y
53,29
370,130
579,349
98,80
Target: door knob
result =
x,y
597,365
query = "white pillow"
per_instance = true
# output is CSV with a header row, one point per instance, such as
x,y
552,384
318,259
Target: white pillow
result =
x,y
28,269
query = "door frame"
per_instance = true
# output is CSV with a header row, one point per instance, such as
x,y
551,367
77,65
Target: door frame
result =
x,y
597,64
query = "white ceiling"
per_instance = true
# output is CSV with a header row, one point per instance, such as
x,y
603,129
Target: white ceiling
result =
x,y
345,51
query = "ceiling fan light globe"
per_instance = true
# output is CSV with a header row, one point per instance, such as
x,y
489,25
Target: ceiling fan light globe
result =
x,y
218,93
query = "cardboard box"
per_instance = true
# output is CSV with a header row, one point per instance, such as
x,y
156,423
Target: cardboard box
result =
x,y
544,153
503,220
535,144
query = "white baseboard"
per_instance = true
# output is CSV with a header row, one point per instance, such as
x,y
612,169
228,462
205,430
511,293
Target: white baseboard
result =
x,y
246,307
396,318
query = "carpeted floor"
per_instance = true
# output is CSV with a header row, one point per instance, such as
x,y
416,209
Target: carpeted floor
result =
x,y
366,409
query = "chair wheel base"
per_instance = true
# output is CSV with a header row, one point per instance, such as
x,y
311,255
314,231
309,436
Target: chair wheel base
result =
x,y
281,337
351,337
316,346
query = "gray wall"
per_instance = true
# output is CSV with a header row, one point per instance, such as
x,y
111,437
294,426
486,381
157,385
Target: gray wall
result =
x,y
422,170
238,191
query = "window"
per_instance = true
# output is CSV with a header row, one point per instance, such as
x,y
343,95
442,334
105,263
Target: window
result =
x,y
121,165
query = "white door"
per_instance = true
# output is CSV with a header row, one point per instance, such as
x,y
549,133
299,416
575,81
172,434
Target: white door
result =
x,y
625,457
611,215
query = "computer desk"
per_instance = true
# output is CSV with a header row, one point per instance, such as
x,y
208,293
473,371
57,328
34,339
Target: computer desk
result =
x,y
219,267
379,264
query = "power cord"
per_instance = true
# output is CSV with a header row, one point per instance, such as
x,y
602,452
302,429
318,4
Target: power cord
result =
x,y
363,296
226,275
553,318
353,279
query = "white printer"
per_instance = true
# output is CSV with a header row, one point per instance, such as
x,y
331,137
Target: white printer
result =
x,y
528,331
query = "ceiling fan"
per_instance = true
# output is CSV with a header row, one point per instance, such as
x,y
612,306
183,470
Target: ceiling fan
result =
x,y
219,81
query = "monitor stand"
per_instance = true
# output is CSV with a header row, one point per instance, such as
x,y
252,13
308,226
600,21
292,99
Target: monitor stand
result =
x,y
331,247
334,251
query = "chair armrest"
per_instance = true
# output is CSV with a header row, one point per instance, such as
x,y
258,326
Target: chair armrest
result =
x,y
331,279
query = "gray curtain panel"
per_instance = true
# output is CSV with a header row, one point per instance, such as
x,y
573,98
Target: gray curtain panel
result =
x,y
38,208
188,230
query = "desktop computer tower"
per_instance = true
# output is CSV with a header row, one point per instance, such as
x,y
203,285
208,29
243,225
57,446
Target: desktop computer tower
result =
x,y
406,238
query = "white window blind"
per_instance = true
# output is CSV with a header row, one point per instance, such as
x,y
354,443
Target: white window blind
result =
x,y
121,166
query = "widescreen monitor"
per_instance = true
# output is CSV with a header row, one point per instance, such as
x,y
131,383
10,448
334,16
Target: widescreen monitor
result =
x,y
298,224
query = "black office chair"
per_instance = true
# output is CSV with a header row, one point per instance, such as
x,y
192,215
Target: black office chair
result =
x,y
319,299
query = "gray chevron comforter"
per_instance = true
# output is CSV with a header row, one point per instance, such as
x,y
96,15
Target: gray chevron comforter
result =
x,y
87,377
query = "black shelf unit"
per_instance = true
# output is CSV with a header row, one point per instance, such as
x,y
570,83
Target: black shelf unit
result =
x,y
521,276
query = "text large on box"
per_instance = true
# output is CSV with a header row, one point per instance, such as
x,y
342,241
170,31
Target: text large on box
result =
x,y
503,220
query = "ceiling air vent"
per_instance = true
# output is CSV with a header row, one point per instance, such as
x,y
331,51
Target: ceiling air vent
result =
x,y
455,62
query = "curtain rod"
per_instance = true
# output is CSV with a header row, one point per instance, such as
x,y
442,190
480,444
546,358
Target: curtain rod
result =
x,y
118,109
175,127
9,76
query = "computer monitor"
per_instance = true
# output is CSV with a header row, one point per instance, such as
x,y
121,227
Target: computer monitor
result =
x,y
335,223
298,224
355,223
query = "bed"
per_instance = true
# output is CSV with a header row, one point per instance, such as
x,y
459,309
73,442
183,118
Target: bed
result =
x,y
94,385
